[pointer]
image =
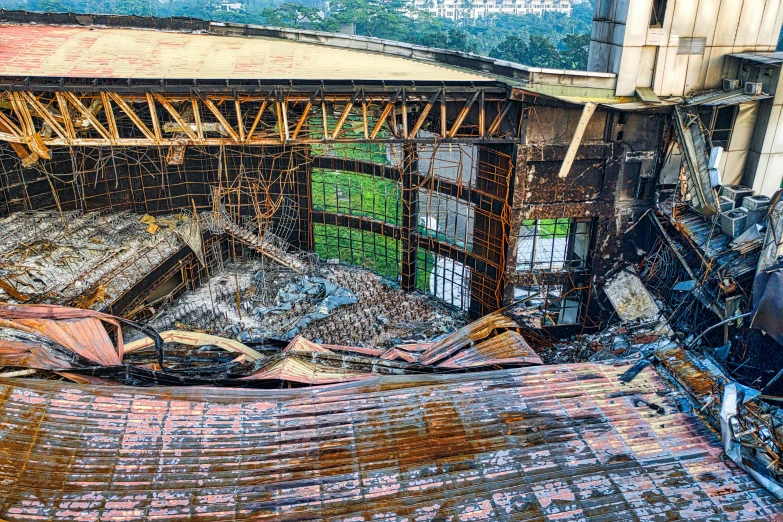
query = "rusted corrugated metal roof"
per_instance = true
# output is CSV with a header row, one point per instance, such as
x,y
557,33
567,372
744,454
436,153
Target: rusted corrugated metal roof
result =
x,y
89,52
563,442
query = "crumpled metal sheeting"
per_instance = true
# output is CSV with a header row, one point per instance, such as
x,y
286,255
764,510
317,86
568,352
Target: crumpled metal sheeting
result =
x,y
478,330
79,331
508,348
565,442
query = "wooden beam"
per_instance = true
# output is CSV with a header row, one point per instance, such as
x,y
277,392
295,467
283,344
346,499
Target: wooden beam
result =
x,y
98,126
45,115
10,126
424,113
107,109
462,115
133,116
384,114
344,115
220,118
65,112
495,125
584,119
177,117
23,115
197,120
304,117
240,122
482,117
444,129
257,118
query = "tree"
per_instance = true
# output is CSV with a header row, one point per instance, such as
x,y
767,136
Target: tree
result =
x,y
290,15
134,7
513,49
575,49
49,6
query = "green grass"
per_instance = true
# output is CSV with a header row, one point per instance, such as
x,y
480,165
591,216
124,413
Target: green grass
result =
x,y
352,128
361,195
373,251
425,261
559,227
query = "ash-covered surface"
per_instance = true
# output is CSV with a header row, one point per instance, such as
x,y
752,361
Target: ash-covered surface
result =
x,y
619,340
233,301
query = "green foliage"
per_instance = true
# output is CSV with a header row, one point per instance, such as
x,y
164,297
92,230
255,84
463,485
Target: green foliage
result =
x,y
50,6
425,261
357,247
549,228
356,194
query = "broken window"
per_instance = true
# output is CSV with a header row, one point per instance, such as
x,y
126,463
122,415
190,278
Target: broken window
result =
x,y
559,305
443,278
722,125
446,219
358,247
553,244
658,13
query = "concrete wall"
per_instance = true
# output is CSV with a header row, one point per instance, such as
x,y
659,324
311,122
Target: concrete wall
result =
x,y
623,42
764,166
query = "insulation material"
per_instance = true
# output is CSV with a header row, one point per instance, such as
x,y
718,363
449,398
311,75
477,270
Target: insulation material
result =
x,y
629,297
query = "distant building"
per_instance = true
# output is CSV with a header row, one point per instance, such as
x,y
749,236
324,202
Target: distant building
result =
x,y
456,9
232,7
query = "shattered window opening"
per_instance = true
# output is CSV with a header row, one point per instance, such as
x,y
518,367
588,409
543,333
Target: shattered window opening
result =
x,y
357,194
723,125
553,244
446,218
559,306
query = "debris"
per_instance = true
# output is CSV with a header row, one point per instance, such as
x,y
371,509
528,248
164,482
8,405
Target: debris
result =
x,y
634,370
78,347
630,298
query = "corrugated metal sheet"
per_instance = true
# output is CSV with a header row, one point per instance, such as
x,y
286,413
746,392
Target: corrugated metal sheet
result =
x,y
720,98
772,58
714,244
563,442
89,52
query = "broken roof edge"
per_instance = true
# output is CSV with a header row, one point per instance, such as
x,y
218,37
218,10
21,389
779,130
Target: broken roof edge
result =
x,y
509,73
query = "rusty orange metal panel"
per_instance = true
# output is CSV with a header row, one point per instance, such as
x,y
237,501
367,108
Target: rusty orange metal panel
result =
x,y
93,52
567,442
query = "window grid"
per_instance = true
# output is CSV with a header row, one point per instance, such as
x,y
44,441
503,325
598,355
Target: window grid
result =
x,y
553,244
443,278
357,194
358,247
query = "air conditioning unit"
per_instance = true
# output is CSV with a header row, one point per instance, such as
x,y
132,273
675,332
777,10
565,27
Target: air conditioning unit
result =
x,y
752,88
726,204
756,216
730,85
737,193
755,202
732,223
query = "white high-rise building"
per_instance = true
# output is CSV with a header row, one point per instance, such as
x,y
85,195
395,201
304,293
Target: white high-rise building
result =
x,y
457,9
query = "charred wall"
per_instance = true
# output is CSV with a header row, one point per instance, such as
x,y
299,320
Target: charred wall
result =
x,y
609,186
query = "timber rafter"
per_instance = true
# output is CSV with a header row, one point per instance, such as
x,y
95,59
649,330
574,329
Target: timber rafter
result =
x,y
44,119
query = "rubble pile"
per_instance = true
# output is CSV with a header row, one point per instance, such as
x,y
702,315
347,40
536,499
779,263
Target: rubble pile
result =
x,y
335,304
81,259
620,340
